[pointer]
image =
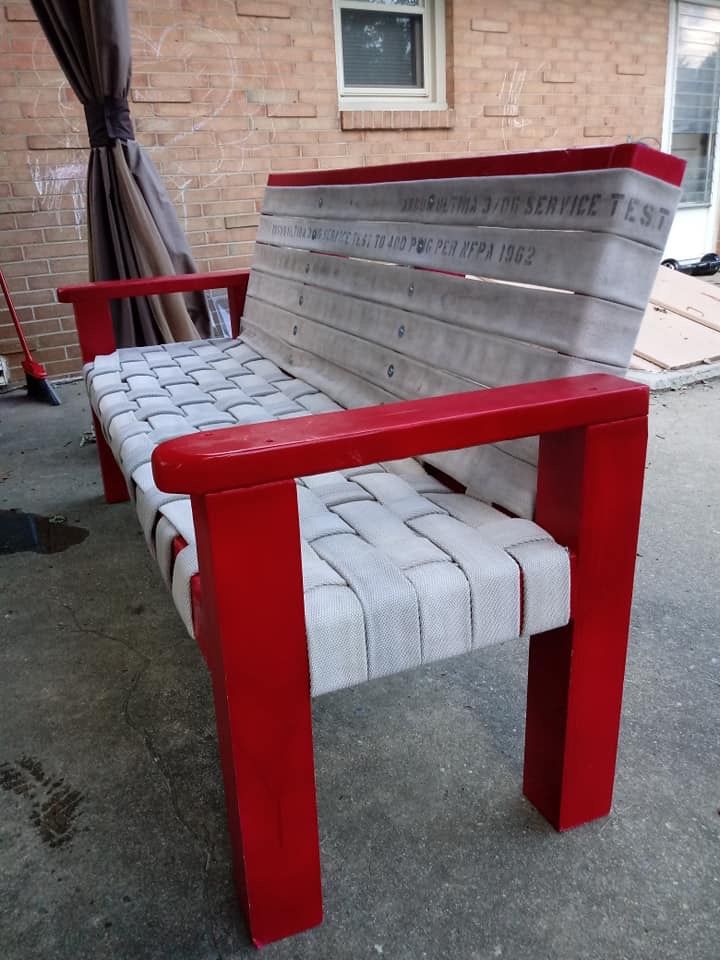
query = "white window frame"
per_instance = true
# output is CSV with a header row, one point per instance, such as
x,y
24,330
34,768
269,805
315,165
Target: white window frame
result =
x,y
431,96
669,107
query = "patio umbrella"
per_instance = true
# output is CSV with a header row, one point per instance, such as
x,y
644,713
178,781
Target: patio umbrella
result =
x,y
133,230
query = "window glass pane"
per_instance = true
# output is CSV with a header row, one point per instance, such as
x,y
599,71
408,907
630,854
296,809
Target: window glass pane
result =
x,y
697,95
382,49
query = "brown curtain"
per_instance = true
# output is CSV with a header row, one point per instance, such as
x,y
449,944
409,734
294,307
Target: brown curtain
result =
x,y
133,230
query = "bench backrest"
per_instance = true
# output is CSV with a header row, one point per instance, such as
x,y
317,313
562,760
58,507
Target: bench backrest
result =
x,y
403,281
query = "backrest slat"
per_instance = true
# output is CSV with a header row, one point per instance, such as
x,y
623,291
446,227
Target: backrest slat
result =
x,y
583,327
309,314
594,264
621,202
389,288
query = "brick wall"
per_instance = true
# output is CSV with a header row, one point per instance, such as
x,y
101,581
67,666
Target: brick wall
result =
x,y
222,95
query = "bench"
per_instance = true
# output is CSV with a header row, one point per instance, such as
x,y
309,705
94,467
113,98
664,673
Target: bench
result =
x,y
333,494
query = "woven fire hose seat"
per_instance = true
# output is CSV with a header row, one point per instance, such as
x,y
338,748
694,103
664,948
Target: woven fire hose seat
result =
x,y
398,569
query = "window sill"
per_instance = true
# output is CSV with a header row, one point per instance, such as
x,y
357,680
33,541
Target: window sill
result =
x,y
397,119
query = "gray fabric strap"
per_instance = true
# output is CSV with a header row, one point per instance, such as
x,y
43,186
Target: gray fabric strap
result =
x,y
108,120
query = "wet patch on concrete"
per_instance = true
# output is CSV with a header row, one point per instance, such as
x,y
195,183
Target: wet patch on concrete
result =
x,y
54,805
21,532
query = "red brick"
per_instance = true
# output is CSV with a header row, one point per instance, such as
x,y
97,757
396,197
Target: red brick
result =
x,y
599,131
490,26
51,283
241,221
265,95
61,368
248,8
161,95
26,268
631,69
550,76
501,110
19,12
291,110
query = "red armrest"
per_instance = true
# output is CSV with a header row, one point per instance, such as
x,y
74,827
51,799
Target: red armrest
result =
x,y
244,456
177,283
91,302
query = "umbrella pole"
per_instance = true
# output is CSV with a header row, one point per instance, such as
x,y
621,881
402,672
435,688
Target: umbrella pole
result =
x,y
36,378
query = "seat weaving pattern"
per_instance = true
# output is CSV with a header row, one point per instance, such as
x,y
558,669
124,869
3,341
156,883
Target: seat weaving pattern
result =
x,y
398,570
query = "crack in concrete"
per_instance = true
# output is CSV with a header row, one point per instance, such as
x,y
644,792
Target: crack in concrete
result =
x,y
91,631
201,841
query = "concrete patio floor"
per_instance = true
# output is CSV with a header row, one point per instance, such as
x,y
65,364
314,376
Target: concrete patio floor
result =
x,y
107,744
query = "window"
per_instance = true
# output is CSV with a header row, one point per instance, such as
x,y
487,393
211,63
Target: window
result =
x,y
697,95
390,55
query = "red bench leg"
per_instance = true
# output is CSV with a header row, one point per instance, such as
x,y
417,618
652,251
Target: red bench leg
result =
x,y
113,480
96,336
253,626
589,495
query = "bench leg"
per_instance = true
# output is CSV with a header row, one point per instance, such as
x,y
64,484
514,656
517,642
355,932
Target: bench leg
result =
x,y
589,495
254,630
113,480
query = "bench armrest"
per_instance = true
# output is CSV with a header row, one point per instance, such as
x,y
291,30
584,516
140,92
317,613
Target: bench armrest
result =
x,y
245,456
105,290
91,302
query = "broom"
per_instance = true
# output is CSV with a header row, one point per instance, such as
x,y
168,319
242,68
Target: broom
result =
x,y
36,378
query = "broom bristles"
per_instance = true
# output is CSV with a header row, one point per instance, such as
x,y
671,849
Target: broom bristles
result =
x,y
40,388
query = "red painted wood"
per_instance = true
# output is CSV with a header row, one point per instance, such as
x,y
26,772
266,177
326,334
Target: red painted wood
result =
x,y
637,156
178,544
177,283
589,495
196,603
94,327
113,479
91,305
258,661
95,333
260,453
236,302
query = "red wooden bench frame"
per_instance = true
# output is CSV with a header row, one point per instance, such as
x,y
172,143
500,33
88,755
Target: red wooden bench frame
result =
x,y
593,432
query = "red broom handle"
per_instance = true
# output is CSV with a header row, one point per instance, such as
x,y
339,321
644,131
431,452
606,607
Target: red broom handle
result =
x,y
15,319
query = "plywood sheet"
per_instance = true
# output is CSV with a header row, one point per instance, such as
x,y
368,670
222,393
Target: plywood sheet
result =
x,y
688,296
638,363
673,341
